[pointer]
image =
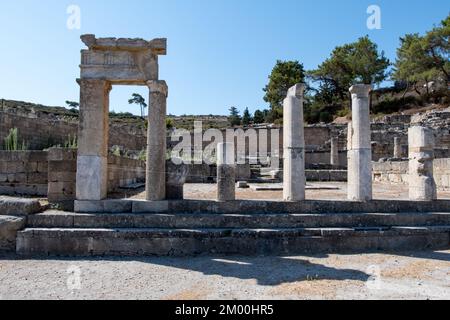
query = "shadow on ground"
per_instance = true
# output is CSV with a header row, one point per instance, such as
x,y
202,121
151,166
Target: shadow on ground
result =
x,y
267,271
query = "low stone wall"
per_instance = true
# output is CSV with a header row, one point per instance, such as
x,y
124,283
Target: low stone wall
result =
x,y
204,173
23,173
52,173
326,175
390,171
62,164
124,171
397,172
63,167
441,168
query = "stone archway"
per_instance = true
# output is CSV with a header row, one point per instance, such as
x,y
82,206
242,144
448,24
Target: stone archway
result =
x,y
108,62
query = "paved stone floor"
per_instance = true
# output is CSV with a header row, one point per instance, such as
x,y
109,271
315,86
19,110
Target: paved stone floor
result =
x,y
410,275
380,191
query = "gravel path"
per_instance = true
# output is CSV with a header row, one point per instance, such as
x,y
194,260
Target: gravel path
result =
x,y
413,275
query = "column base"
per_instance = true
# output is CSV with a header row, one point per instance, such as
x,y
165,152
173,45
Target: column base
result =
x,y
92,177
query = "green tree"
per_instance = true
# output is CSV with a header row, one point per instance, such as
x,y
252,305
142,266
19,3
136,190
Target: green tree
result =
x,y
284,75
136,98
358,62
437,46
258,117
421,59
413,65
72,104
234,118
246,118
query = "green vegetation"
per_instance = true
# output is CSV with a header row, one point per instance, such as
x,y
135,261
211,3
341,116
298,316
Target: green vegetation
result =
x,y
73,104
422,59
234,118
136,98
246,118
11,142
283,76
71,143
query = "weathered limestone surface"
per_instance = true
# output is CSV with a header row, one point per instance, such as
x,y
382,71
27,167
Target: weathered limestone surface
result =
x,y
9,226
360,150
334,159
176,177
226,172
422,185
294,145
156,146
18,206
398,152
92,163
23,172
122,61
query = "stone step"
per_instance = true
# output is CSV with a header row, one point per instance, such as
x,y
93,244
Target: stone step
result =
x,y
57,219
260,206
180,242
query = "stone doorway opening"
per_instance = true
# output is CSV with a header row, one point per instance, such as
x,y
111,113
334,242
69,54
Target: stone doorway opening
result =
x,y
108,62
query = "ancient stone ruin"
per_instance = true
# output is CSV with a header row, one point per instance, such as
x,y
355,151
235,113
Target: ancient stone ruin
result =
x,y
165,223
108,62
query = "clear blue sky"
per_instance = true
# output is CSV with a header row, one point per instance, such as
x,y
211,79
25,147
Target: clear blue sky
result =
x,y
220,52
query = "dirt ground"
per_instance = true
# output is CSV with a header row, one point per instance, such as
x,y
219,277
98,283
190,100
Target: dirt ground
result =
x,y
330,191
410,275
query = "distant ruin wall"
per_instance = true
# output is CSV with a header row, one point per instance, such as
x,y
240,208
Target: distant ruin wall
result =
x,y
397,172
45,130
53,173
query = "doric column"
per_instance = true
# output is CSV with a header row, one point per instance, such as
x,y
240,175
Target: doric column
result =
x,y
398,153
156,141
92,161
294,145
334,152
226,172
422,186
360,154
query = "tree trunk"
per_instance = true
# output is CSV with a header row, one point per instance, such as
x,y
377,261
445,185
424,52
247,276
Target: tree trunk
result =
x,y
406,90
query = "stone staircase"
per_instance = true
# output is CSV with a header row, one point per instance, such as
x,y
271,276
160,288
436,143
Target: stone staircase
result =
x,y
207,230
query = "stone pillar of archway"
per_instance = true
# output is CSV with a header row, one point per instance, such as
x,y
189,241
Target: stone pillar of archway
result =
x,y
156,141
294,145
92,161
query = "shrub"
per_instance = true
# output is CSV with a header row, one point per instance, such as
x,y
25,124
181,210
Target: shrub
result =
x,y
11,141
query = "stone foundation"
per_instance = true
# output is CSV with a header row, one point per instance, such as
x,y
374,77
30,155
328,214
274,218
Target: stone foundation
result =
x,y
23,173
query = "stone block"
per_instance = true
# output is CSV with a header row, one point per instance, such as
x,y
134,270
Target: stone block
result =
x,y
9,226
18,206
150,206
62,166
62,176
92,178
37,178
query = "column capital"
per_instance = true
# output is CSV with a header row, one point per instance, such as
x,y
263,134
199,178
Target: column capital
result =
x,y
361,90
92,82
296,91
158,86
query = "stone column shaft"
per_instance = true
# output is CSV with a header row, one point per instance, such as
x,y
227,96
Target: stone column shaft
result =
x,y
156,142
398,153
92,161
422,186
294,145
334,152
360,154
226,172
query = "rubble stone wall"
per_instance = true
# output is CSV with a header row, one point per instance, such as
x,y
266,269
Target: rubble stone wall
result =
x,y
397,172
